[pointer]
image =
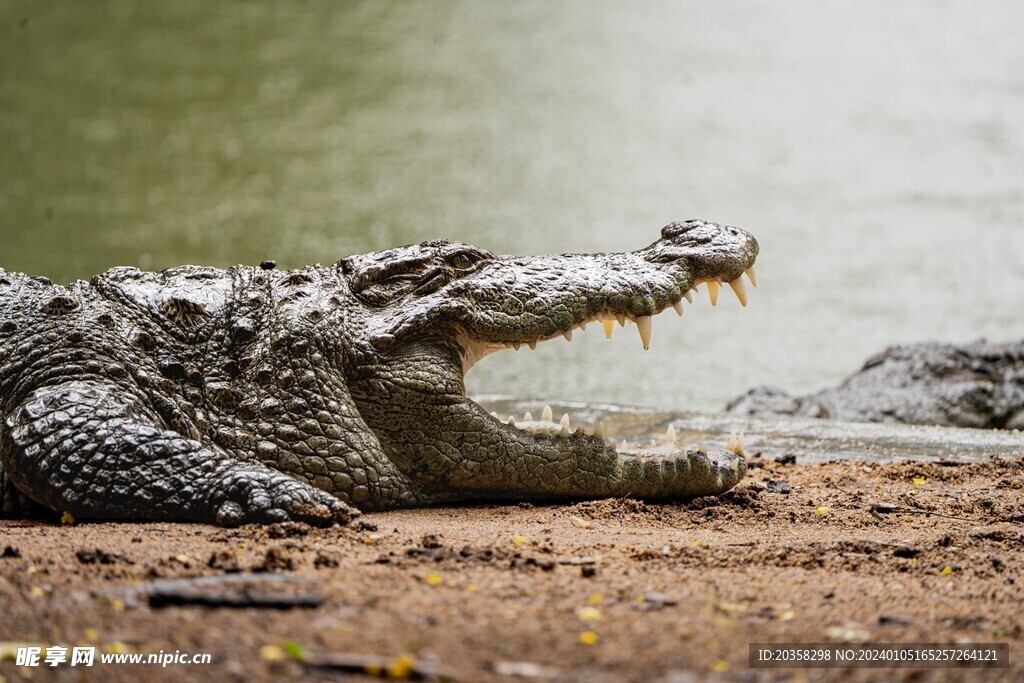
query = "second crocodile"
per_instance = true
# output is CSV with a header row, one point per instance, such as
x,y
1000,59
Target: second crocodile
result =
x,y
977,385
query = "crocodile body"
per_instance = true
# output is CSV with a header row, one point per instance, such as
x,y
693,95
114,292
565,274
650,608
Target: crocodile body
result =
x,y
977,385
253,394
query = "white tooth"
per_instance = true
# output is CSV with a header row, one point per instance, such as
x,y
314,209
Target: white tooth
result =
x,y
713,292
527,417
731,443
735,466
516,345
511,421
740,446
643,325
750,273
533,344
599,431
608,324
564,421
568,335
564,432
583,325
495,415
623,445
702,448
547,415
689,296
739,290
670,435
621,317
679,307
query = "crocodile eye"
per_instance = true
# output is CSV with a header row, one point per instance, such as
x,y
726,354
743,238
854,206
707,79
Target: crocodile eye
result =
x,y
461,261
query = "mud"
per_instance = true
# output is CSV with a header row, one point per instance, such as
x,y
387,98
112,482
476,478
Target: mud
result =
x,y
593,591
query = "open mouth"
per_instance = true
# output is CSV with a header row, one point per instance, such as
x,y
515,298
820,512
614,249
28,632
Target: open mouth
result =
x,y
544,424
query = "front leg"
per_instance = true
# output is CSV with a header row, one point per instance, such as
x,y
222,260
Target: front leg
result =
x,y
93,449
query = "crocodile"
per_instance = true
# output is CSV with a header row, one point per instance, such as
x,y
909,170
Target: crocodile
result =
x,y
257,395
979,385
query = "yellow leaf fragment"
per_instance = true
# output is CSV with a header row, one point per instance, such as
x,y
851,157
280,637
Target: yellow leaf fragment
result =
x,y
434,579
9,649
787,615
851,632
519,539
588,637
36,591
732,608
117,604
589,614
720,666
582,523
823,510
67,518
402,667
946,570
917,481
272,653
595,599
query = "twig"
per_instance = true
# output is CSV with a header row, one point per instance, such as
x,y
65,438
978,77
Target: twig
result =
x,y
876,508
912,511
377,666
171,597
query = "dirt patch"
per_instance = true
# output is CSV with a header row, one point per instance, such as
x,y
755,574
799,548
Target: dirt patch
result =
x,y
604,590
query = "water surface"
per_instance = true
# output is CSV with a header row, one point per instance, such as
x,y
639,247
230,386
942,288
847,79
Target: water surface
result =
x,y
876,149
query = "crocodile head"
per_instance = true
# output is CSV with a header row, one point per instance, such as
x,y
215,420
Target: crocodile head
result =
x,y
432,310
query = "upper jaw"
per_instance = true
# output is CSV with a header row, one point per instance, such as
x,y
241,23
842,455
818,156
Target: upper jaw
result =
x,y
623,307
515,301
474,348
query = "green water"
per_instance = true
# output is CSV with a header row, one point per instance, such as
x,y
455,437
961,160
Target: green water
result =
x,y
875,149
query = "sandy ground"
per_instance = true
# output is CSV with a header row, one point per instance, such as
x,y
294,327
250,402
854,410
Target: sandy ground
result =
x,y
595,591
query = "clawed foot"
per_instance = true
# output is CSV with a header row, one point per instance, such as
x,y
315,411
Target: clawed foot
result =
x,y
266,497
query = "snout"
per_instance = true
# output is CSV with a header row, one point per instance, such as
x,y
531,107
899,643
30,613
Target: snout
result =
x,y
711,251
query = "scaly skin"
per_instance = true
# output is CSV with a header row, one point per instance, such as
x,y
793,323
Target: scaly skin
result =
x,y
252,395
977,385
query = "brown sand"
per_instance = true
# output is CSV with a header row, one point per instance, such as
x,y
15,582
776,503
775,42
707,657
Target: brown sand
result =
x,y
839,552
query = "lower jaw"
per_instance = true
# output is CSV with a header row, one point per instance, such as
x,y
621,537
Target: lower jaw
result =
x,y
669,444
